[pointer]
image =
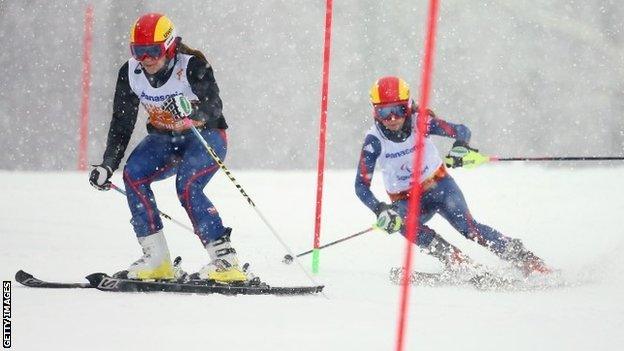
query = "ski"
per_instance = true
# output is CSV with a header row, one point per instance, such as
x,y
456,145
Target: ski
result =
x,y
104,282
481,281
484,280
429,279
28,280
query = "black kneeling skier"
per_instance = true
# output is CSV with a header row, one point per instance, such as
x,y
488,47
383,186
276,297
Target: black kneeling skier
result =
x,y
391,143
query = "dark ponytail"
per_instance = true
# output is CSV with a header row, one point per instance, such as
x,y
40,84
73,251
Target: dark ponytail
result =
x,y
185,49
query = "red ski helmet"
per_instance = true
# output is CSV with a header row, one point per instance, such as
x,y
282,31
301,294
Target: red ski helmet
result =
x,y
389,89
153,35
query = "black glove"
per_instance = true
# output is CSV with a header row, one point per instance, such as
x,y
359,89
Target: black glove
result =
x,y
382,206
179,106
100,177
388,219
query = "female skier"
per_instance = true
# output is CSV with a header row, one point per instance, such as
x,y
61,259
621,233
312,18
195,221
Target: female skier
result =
x,y
391,144
172,82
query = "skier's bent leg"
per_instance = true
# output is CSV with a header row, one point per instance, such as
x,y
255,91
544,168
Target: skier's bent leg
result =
x,y
431,242
156,261
151,160
456,212
195,171
201,211
145,216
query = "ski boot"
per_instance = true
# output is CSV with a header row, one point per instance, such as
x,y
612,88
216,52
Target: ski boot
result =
x,y
455,262
224,267
526,261
155,264
458,267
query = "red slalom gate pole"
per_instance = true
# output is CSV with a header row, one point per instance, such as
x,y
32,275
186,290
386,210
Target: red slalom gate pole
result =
x,y
322,137
86,82
413,213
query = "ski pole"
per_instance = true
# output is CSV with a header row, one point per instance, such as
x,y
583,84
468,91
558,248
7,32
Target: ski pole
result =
x,y
288,258
573,158
162,214
476,159
227,172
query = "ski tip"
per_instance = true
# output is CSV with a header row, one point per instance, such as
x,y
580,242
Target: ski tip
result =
x,y
95,278
21,276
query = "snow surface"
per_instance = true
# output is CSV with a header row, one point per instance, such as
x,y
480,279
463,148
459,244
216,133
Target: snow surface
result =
x,y
57,227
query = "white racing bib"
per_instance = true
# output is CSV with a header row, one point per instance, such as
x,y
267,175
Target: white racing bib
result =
x,y
152,98
397,158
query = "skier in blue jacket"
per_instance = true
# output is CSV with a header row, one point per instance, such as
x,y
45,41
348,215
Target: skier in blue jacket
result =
x,y
172,82
391,144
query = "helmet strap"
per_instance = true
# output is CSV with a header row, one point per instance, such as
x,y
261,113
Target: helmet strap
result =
x,y
172,50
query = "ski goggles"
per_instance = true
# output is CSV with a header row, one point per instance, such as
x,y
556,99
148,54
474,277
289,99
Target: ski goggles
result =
x,y
140,52
385,112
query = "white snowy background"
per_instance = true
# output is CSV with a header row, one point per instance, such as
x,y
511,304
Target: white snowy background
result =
x,y
529,78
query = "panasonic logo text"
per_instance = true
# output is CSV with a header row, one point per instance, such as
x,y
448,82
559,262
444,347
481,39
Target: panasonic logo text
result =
x,y
400,153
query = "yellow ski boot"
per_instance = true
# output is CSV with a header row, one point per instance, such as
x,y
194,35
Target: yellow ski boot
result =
x,y
155,264
224,267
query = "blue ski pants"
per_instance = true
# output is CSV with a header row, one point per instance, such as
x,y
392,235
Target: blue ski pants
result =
x,y
445,198
159,156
